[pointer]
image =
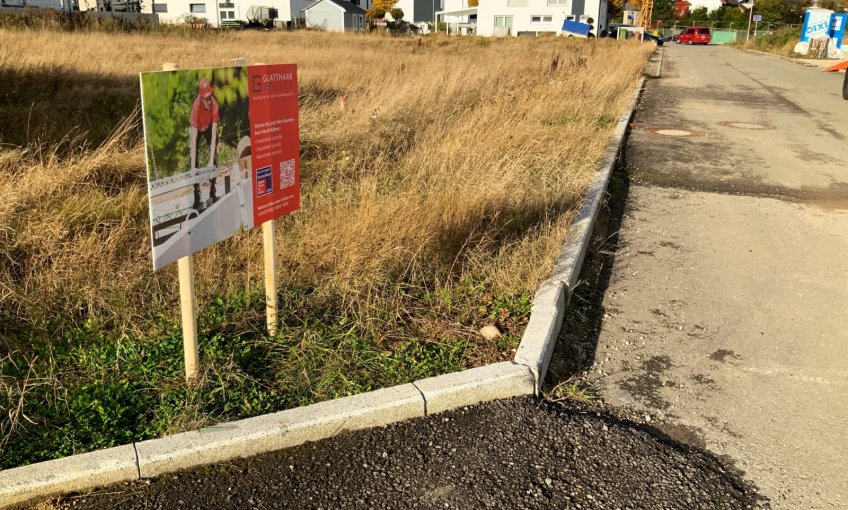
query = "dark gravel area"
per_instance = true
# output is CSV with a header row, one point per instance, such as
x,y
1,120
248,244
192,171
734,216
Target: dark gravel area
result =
x,y
519,453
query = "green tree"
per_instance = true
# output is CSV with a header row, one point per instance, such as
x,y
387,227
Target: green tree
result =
x,y
700,14
397,13
772,11
795,9
663,11
726,17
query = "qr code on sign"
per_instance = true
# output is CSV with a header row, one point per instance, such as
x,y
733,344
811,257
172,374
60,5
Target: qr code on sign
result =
x,y
286,174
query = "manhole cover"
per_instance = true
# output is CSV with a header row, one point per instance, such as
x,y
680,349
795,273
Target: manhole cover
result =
x,y
751,126
680,133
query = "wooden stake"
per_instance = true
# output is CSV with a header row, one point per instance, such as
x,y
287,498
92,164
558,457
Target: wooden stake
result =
x,y
270,275
187,307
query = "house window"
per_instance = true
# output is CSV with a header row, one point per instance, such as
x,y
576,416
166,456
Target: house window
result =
x,y
517,3
557,2
361,21
227,5
541,19
160,8
197,8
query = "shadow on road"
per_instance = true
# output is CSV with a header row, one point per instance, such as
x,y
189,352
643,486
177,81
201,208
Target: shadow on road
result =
x,y
578,340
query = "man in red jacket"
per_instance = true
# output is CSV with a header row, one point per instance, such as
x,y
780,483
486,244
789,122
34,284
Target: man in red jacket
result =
x,y
203,122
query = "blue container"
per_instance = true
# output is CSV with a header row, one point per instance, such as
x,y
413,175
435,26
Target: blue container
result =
x,y
837,27
576,28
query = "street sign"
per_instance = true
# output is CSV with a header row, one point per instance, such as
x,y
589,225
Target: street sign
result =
x,y
758,17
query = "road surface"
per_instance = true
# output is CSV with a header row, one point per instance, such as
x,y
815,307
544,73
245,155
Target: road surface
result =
x,y
720,312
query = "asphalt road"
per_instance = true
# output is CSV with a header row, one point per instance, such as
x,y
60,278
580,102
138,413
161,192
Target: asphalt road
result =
x,y
720,308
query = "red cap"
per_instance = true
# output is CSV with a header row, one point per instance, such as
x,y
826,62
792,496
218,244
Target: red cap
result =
x,y
204,88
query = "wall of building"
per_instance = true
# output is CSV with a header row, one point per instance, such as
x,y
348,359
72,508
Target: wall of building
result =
x,y
326,15
539,15
235,10
354,22
294,9
55,4
418,11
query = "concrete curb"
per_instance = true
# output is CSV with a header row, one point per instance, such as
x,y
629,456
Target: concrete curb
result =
x,y
654,68
280,430
469,387
377,408
553,296
811,63
74,473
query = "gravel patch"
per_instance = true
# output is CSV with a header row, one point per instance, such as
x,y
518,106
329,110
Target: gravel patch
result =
x,y
518,453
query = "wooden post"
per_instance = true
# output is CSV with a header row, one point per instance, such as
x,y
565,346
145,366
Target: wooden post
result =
x,y
270,276
187,307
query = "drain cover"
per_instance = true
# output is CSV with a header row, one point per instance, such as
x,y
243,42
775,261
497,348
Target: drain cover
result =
x,y
751,126
673,132
680,133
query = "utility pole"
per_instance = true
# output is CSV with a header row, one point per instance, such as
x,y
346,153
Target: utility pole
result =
x,y
750,16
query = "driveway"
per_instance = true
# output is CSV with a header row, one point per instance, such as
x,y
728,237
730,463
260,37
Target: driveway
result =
x,y
722,316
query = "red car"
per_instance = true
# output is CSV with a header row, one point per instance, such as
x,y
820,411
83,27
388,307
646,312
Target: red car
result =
x,y
694,35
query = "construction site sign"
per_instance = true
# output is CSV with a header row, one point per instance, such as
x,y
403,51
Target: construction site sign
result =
x,y
222,151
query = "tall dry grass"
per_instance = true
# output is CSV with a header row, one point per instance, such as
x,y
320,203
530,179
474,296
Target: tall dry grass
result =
x,y
449,157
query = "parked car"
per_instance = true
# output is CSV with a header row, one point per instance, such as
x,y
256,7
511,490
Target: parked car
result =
x,y
845,87
694,35
652,38
612,31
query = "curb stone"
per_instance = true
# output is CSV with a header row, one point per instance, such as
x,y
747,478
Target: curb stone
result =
x,y
523,376
74,473
811,63
279,430
546,315
475,385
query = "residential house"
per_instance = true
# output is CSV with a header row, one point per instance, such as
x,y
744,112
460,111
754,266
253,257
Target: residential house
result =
x,y
418,11
292,11
220,13
631,15
526,17
335,16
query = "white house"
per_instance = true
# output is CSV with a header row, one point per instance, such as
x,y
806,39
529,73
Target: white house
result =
x,y
335,16
525,17
418,11
223,12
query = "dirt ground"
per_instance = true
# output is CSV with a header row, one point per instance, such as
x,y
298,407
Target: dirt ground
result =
x,y
519,453
715,308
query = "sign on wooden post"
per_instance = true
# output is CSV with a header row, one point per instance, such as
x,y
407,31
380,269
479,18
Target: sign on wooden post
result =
x,y
222,151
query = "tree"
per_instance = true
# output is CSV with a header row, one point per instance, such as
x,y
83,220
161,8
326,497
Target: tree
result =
x,y
380,8
473,3
663,10
699,14
772,11
397,13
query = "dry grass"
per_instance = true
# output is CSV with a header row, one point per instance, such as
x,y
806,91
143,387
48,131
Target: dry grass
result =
x,y
452,161
449,156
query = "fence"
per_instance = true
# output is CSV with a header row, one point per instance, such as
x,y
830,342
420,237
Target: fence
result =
x,y
679,25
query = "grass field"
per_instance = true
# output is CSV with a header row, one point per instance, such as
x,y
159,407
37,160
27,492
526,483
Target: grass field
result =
x,y
438,180
780,42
